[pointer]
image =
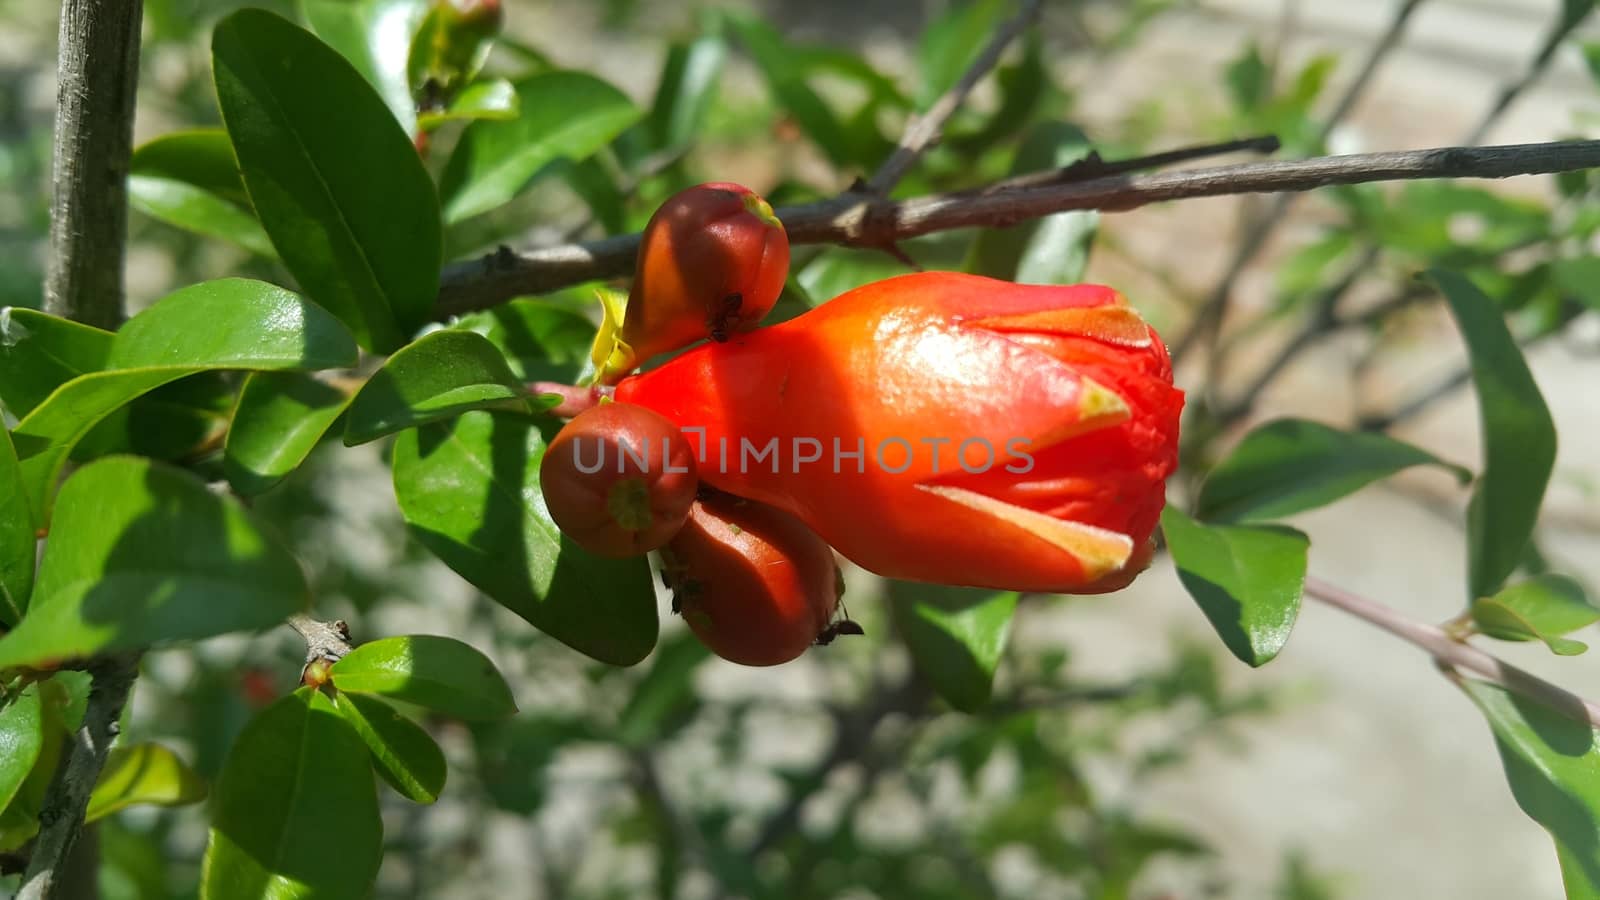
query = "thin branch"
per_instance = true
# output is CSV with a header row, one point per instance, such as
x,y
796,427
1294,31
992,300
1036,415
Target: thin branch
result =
x,y
96,79
66,800
861,220
97,75
924,130
1092,166
1208,320
324,640
1454,653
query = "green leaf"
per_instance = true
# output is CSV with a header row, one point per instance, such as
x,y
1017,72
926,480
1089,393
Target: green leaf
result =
x,y
40,352
438,376
952,42
21,739
375,36
141,553
190,179
143,774
18,546
1051,250
333,177
540,341
296,810
232,323
1553,765
437,673
405,756
281,416
1519,438
1539,609
469,489
1247,579
493,99
687,88
1292,465
956,636
19,819
564,115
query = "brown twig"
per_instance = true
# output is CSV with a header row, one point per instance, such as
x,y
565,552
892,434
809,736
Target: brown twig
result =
x,y
863,220
924,130
1456,654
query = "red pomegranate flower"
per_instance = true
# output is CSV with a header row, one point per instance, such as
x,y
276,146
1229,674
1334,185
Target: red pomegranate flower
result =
x,y
945,428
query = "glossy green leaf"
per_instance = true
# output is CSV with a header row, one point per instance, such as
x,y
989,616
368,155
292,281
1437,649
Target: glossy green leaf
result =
x,y
375,36
1542,608
21,739
540,341
438,376
1292,465
563,115
281,416
437,673
493,99
1591,58
232,323
469,490
190,179
1552,762
40,352
19,819
686,90
333,177
1051,250
18,546
143,775
1519,438
140,554
296,809
405,756
956,636
1247,579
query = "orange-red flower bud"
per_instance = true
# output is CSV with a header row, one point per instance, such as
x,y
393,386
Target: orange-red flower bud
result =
x,y
619,480
946,428
754,584
711,264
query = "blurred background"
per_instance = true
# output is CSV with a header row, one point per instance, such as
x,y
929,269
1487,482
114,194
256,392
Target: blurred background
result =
x,y
1123,753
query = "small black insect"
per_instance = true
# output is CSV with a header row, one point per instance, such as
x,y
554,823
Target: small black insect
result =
x,y
843,626
719,319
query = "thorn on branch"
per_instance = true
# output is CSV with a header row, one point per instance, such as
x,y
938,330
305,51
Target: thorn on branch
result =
x,y
325,641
